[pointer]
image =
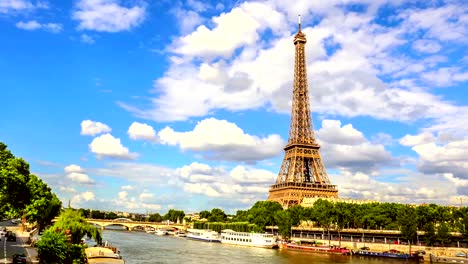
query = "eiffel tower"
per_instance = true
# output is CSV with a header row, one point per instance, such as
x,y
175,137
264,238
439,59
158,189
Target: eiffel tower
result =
x,y
302,173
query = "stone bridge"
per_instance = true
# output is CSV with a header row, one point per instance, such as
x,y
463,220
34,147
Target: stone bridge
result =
x,y
130,224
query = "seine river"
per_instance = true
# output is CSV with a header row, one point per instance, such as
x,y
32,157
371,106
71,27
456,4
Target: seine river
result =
x,y
142,248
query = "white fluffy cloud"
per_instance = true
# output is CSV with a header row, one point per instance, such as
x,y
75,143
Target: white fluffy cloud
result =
x,y
91,128
444,77
231,31
241,185
346,147
67,189
410,140
107,15
141,131
77,174
222,140
123,195
145,196
137,174
445,23
133,204
108,146
81,178
444,158
345,82
199,173
332,132
79,199
410,188
243,175
73,168
86,39
428,46
14,6
34,25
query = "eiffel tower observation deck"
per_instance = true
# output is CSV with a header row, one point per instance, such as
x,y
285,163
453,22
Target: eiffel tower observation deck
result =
x,y
302,173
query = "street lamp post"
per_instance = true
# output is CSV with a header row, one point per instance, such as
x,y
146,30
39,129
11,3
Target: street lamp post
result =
x,y
461,199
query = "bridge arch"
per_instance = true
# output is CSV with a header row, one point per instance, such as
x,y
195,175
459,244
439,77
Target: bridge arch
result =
x,y
130,225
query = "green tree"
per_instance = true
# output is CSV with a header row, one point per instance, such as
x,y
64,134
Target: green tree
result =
x,y
53,247
408,221
464,230
443,234
426,214
77,226
297,213
24,194
342,217
111,215
284,223
44,205
155,217
262,214
174,215
205,214
96,214
430,237
323,210
86,213
14,178
61,243
217,215
241,216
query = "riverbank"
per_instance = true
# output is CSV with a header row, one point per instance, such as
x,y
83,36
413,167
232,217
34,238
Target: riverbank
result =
x,y
437,251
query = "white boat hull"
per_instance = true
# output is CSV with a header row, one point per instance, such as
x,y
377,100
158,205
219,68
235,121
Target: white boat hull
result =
x,y
261,240
204,235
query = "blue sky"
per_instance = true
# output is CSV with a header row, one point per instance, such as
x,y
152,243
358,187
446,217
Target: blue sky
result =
x,y
144,106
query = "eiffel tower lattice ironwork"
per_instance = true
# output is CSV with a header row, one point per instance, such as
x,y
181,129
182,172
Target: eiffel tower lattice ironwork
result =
x,y
302,173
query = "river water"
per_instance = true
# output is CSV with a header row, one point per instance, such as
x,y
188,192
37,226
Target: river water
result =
x,y
143,248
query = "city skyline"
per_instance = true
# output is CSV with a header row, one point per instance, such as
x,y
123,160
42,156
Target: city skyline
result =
x,y
140,106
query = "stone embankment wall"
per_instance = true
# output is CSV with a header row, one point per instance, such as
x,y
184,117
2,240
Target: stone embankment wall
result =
x,y
438,251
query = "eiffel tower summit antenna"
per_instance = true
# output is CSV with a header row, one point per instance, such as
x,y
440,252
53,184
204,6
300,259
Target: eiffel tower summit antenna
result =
x,y
302,173
299,22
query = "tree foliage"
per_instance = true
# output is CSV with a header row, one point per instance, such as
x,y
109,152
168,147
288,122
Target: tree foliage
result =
x,y
408,222
430,237
24,194
174,215
61,243
263,213
284,222
464,226
155,217
44,205
443,234
337,216
217,215
77,226
205,214
53,247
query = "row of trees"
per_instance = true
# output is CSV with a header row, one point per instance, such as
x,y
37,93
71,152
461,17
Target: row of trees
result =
x,y
437,221
172,215
23,194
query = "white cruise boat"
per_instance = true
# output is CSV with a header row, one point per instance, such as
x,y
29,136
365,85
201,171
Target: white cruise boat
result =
x,y
203,235
263,240
161,232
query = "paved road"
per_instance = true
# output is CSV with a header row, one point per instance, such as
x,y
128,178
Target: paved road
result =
x,y
9,248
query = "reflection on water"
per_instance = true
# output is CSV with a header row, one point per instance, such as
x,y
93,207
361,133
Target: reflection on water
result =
x,y
141,248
